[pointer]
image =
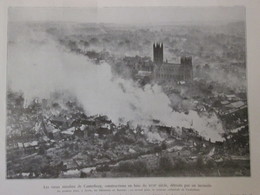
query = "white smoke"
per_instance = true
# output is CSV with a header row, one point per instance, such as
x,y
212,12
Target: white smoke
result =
x,y
40,68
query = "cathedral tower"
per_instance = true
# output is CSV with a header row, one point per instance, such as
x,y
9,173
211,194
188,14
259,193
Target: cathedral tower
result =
x,y
158,53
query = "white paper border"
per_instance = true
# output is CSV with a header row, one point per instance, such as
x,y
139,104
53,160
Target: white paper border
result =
x,y
220,185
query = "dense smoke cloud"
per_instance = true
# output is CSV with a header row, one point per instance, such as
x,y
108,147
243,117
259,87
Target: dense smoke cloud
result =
x,y
38,66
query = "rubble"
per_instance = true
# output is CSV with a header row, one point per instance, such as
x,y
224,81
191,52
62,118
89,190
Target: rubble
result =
x,y
77,145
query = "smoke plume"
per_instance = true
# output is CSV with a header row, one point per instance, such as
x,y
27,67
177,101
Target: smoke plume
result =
x,y
38,66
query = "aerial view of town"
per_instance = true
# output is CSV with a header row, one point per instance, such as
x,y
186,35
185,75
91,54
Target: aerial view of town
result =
x,y
108,95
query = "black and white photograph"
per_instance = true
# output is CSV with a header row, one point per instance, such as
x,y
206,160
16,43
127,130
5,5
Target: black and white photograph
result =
x,y
118,92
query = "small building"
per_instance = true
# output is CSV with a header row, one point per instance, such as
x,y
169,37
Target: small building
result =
x,y
56,134
68,133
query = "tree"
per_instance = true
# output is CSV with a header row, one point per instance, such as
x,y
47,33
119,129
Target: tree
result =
x,y
140,167
41,150
66,154
210,163
165,164
180,164
199,163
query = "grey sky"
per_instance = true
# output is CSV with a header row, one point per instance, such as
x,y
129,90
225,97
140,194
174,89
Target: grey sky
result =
x,y
129,15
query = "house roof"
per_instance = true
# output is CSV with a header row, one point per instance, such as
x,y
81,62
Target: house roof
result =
x,y
55,130
144,73
236,104
33,143
69,131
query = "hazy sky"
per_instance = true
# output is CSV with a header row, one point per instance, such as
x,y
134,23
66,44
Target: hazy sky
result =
x,y
129,15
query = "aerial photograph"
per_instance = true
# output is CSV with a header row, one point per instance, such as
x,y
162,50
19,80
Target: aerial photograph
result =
x,y
116,92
